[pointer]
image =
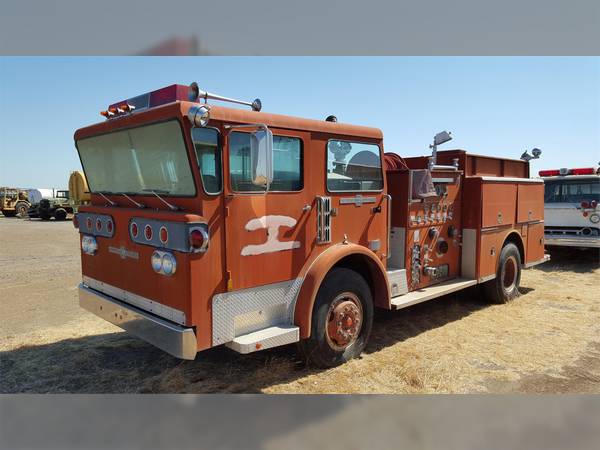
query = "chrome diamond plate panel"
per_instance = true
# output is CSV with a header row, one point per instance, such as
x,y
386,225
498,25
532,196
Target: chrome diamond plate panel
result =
x,y
247,310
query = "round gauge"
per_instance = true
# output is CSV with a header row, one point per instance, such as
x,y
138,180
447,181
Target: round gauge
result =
x,y
595,218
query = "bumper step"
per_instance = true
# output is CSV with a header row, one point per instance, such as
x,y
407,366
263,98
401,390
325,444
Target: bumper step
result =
x,y
428,293
265,338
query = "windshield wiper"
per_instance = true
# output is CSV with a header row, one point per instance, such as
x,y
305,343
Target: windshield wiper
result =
x,y
171,207
139,205
106,198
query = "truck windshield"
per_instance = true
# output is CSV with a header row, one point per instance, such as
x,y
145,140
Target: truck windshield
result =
x,y
572,191
138,161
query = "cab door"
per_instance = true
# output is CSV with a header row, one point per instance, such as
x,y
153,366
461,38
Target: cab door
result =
x,y
266,227
356,186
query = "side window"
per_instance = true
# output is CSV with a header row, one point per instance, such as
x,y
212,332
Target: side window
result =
x,y
353,166
208,153
552,193
287,164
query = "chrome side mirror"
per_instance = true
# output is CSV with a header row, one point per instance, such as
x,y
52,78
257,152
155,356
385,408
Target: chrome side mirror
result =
x,y
261,150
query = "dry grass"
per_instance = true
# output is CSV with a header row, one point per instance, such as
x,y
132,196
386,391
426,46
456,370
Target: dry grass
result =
x,y
548,340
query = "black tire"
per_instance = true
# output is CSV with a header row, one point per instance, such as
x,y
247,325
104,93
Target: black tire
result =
x,y
505,287
344,292
21,209
60,214
44,216
9,213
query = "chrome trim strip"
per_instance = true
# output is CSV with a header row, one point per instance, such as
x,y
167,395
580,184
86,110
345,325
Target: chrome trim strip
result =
x,y
123,252
154,307
513,179
174,339
357,200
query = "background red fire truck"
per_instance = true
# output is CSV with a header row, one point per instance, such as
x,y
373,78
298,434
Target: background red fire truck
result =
x,y
211,225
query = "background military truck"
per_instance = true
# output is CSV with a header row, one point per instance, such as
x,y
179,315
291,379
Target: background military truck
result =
x,y
13,202
57,206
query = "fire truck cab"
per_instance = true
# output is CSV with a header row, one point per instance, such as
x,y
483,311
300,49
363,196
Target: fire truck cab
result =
x,y
213,225
572,210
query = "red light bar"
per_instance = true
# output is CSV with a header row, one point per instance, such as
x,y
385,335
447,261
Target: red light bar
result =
x,y
159,97
583,171
549,173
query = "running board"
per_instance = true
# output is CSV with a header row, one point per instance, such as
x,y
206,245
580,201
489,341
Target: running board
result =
x,y
265,338
430,292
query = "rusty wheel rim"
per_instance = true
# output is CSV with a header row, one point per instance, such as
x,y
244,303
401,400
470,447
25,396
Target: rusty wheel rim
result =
x,y
344,321
509,274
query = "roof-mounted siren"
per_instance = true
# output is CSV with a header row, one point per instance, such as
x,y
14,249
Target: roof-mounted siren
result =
x,y
536,152
441,138
195,94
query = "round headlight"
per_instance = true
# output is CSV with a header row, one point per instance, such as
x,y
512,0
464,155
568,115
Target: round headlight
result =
x,y
157,261
199,115
168,264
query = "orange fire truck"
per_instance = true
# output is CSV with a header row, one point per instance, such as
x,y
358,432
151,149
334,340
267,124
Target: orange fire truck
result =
x,y
213,225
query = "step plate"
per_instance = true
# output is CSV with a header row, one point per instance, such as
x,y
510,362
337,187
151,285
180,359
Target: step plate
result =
x,y
428,293
265,338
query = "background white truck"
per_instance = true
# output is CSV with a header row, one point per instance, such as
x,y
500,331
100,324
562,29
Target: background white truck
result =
x,y
572,207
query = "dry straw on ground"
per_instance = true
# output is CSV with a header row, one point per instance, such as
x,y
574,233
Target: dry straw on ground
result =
x,y
547,340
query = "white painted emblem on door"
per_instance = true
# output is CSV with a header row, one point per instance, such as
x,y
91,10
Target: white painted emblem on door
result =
x,y
273,244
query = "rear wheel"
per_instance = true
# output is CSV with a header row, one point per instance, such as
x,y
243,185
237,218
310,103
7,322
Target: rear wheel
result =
x,y
342,318
505,287
60,214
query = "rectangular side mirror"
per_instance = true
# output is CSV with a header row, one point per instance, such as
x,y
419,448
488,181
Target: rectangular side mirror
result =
x,y
261,149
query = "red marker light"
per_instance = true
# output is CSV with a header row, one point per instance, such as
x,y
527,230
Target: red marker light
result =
x,y
163,235
585,204
98,224
88,222
134,229
148,232
109,226
197,239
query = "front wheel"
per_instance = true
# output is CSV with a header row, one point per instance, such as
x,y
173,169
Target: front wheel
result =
x,y
505,287
21,209
342,318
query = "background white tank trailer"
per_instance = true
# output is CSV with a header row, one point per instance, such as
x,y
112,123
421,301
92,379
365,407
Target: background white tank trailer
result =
x,y
45,203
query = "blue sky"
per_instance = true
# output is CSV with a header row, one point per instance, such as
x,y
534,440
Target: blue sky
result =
x,y
492,105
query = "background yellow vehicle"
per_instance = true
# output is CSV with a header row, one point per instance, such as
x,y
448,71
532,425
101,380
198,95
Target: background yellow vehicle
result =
x,y
13,202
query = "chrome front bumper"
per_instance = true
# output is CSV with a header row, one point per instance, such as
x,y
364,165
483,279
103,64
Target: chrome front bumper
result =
x,y
172,338
572,241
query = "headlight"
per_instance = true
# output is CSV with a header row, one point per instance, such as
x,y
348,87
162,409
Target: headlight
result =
x,y
156,261
168,264
89,245
163,262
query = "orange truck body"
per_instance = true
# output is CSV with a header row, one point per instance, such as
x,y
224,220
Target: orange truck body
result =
x,y
227,292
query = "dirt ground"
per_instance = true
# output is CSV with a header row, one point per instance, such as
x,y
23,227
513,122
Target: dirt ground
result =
x,y
547,340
